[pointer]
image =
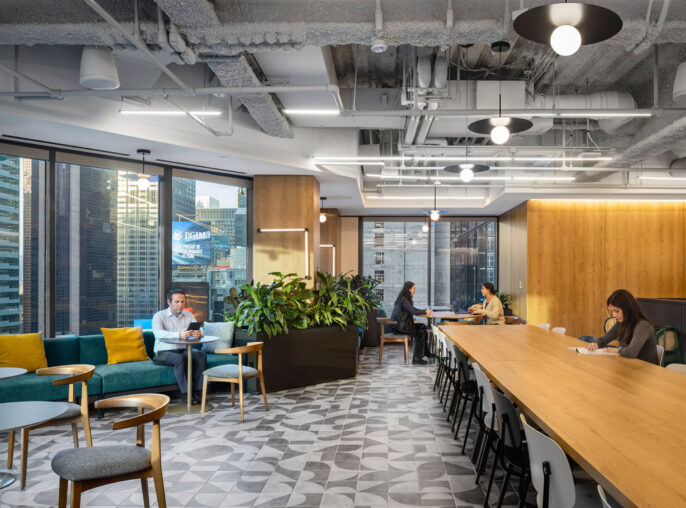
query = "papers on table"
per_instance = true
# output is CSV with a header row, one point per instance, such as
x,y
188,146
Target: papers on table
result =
x,y
599,351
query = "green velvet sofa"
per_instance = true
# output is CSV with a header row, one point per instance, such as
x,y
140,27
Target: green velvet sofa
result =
x,y
107,379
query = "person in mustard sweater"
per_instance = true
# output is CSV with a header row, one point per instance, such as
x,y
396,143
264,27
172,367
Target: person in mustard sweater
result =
x,y
634,331
492,307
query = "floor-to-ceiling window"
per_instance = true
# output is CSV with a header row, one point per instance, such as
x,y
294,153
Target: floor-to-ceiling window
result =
x,y
22,281
209,241
448,261
106,241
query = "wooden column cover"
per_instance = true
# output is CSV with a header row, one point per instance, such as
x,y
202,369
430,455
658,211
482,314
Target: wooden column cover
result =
x,y
330,234
283,202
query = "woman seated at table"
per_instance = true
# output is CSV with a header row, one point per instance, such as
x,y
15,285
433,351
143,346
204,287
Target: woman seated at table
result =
x,y
403,314
633,330
492,307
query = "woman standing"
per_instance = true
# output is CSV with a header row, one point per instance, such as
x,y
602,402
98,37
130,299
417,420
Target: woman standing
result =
x,y
492,307
633,330
403,314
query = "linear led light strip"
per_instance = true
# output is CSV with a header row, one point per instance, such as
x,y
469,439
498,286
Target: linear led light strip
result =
x,y
372,160
145,112
293,230
312,112
466,198
333,255
478,178
670,178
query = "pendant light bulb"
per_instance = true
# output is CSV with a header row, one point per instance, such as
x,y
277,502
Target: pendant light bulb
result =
x,y
425,228
500,134
466,175
435,215
322,217
565,40
143,183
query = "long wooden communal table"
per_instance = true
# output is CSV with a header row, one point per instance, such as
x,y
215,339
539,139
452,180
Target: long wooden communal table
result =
x,y
623,420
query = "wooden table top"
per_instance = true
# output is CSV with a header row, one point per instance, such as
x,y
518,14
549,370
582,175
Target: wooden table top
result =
x,y
446,314
622,419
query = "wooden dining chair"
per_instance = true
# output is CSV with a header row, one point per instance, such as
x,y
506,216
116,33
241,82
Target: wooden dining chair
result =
x,y
391,337
559,329
235,374
88,468
76,413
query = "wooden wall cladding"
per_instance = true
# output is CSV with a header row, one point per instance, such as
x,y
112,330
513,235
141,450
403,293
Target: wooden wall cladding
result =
x,y
330,234
512,257
285,202
349,244
578,252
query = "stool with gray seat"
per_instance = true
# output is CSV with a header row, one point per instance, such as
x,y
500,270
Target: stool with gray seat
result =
x,y
77,413
235,374
88,468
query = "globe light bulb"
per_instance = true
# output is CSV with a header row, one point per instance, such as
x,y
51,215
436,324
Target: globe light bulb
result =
x,y
565,40
466,175
435,215
425,228
500,134
322,218
143,183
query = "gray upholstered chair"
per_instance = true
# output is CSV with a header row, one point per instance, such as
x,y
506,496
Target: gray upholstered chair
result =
x,y
92,467
77,413
545,326
677,367
235,374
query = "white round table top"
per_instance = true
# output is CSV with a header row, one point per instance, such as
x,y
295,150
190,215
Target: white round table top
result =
x,y
201,340
16,415
8,372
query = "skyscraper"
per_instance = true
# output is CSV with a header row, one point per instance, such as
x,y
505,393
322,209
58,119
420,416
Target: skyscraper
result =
x,y
10,175
137,269
32,279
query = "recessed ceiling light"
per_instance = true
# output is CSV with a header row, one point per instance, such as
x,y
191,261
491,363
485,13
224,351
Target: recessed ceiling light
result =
x,y
543,178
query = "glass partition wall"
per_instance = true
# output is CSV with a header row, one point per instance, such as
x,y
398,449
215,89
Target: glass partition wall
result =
x,y
88,242
448,262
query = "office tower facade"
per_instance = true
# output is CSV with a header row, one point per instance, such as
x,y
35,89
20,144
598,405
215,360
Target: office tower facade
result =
x,y
137,248
10,196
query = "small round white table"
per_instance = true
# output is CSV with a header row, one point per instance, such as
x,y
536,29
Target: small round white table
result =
x,y
8,372
189,374
17,415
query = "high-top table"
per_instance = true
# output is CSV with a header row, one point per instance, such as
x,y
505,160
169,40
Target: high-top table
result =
x,y
17,415
189,374
622,419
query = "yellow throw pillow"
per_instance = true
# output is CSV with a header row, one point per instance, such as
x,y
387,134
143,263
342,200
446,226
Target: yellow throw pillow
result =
x,y
124,345
25,351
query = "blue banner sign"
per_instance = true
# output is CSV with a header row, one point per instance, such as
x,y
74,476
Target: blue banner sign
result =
x,y
191,243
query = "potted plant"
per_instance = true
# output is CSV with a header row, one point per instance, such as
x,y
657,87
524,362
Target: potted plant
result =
x,y
366,285
505,300
310,336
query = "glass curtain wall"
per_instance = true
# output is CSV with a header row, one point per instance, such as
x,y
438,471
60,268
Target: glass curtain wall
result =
x,y
107,248
209,243
448,263
22,227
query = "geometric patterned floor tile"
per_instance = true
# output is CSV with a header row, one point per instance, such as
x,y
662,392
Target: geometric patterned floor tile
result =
x,y
378,440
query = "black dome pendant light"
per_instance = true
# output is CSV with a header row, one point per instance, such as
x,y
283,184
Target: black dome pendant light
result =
x,y
501,127
567,26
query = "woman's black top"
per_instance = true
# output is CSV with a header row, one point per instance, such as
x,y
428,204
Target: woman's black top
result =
x,y
403,313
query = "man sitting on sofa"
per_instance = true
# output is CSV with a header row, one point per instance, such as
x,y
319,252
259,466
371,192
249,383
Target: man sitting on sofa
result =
x,y
172,323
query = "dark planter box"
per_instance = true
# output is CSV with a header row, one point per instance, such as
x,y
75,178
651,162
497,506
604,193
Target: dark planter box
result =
x,y
371,334
305,357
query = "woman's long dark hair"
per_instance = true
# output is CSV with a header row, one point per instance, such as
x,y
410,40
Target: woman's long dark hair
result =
x,y
624,300
405,292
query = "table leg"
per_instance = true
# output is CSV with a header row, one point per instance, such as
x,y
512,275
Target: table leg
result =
x,y
6,479
189,375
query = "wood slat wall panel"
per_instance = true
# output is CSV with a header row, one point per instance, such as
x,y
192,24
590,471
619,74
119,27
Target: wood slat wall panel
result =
x,y
578,252
566,265
285,202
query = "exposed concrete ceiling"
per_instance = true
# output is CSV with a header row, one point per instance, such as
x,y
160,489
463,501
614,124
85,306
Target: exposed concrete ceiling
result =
x,y
248,43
